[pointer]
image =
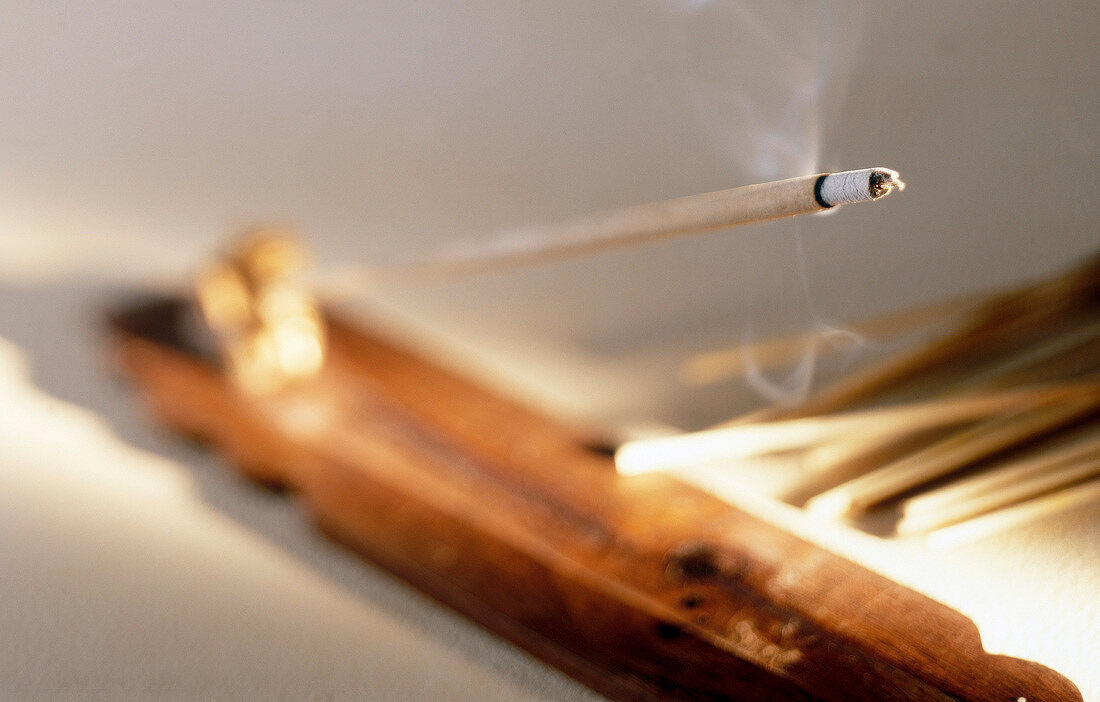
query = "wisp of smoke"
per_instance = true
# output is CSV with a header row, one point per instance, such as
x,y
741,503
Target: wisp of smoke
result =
x,y
761,79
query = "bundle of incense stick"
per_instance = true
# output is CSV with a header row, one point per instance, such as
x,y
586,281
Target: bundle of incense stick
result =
x,y
1000,412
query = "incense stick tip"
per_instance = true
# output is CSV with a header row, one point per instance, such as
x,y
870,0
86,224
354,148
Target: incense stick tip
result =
x,y
832,504
862,185
882,182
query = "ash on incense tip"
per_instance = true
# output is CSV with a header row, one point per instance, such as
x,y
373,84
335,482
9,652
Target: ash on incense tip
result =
x,y
882,182
863,185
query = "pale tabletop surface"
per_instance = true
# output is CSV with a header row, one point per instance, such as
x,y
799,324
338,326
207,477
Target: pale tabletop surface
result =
x,y
134,566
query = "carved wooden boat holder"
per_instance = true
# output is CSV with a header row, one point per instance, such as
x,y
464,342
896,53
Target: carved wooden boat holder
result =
x,y
642,588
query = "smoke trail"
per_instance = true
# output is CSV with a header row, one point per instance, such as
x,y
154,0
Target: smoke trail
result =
x,y
762,81
762,78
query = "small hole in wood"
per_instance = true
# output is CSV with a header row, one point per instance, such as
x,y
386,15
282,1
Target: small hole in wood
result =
x,y
694,561
691,601
669,631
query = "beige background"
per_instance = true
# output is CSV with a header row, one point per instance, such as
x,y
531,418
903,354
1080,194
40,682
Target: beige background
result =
x,y
133,138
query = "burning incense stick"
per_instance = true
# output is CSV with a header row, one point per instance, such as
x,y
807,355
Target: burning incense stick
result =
x,y
659,220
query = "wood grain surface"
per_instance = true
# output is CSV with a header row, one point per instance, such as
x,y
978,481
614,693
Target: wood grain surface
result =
x,y
642,588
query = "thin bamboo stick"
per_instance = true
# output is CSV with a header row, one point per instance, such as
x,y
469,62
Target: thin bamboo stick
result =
x,y
722,364
1006,317
665,453
840,460
1002,486
1075,351
980,441
1075,496
1071,354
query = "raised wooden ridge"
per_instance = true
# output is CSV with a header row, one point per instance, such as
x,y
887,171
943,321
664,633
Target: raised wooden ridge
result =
x,y
642,588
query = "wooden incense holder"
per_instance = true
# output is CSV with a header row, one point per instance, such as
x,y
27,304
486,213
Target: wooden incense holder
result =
x,y
642,588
